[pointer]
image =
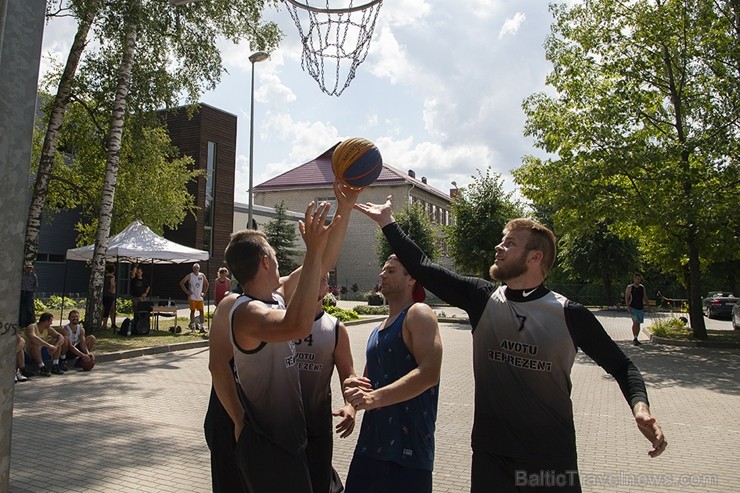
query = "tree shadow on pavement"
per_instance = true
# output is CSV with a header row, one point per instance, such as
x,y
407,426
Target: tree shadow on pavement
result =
x,y
667,366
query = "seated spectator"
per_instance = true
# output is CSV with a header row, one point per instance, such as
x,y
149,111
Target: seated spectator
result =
x,y
20,360
45,343
78,345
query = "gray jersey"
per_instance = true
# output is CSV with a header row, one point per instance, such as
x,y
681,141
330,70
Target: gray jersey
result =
x,y
268,381
522,370
315,359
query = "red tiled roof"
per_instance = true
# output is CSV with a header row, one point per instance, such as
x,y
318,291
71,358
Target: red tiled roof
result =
x,y
318,173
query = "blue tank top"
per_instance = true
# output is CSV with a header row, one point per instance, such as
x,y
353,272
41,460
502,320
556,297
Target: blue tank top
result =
x,y
402,433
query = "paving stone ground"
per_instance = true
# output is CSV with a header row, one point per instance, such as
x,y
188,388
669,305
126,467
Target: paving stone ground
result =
x,y
136,425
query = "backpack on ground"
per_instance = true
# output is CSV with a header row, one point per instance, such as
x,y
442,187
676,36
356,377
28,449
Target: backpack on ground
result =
x,y
141,327
125,328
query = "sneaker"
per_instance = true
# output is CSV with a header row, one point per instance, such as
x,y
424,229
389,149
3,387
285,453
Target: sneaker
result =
x,y
63,364
44,372
56,370
28,373
635,342
178,329
20,377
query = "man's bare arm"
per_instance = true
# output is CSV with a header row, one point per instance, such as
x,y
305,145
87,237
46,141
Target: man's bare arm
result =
x,y
220,352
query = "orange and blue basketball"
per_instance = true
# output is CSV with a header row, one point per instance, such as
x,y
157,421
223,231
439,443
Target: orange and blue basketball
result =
x,y
356,162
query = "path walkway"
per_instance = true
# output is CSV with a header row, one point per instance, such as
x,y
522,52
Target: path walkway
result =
x,y
136,425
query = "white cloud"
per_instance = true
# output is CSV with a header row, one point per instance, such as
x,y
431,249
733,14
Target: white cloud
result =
x,y
440,91
511,25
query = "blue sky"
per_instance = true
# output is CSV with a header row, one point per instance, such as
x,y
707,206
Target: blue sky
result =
x,y
440,91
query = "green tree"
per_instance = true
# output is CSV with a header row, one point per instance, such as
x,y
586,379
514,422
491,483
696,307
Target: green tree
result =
x,y
150,55
598,256
151,181
415,222
281,234
481,210
643,127
85,12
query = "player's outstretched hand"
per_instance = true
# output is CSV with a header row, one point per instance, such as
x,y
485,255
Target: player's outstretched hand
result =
x,y
347,424
650,428
380,213
313,228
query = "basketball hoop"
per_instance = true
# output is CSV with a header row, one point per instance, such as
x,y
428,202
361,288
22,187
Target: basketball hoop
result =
x,y
338,33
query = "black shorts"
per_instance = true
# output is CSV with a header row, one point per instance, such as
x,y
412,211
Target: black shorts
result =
x,y
510,475
319,455
265,466
219,432
368,475
108,301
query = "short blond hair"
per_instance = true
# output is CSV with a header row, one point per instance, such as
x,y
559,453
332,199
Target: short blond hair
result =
x,y
540,239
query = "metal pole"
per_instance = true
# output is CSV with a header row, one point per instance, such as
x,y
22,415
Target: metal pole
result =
x,y
255,57
251,149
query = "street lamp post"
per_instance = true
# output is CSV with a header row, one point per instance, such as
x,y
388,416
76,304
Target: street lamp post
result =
x,y
257,56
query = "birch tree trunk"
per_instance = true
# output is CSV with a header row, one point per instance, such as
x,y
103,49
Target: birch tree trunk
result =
x,y
46,162
93,313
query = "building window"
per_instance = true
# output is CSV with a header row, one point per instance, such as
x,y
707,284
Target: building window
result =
x,y
210,194
50,257
333,201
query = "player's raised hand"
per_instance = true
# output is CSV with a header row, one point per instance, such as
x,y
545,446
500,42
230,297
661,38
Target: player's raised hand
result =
x,y
346,195
313,228
380,213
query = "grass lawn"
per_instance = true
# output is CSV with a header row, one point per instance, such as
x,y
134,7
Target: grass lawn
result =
x,y
108,342
676,330
684,334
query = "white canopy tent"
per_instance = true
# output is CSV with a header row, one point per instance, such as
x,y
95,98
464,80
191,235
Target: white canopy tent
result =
x,y
138,243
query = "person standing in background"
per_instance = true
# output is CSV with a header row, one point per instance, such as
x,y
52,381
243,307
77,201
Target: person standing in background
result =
x,y
29,284
223,285
109,297
635,297
139,285
197,287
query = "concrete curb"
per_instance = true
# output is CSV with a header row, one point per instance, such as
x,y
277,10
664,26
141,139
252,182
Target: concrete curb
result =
x,y
135,353
709,344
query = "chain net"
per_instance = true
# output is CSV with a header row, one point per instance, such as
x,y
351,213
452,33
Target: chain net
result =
x,y
335,40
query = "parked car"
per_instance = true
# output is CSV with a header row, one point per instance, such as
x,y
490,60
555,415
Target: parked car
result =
x,y
718,304
736,316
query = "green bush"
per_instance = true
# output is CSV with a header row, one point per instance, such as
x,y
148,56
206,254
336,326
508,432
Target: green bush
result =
x,y
371,310
342,314
124,305
664,328
39,306
329,300
55,302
